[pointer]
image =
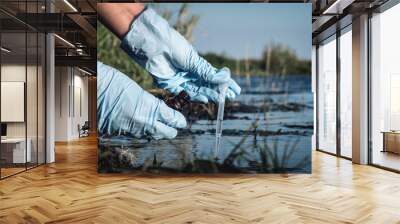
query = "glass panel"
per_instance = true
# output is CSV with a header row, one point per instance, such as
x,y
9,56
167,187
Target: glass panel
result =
x,y
22,88
385,83
346,93
327,95
13,86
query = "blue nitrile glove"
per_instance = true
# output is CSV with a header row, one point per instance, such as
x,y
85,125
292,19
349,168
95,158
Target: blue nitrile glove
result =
x,y
123,107
172,61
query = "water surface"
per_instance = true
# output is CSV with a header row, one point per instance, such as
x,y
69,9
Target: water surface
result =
x,y
274,137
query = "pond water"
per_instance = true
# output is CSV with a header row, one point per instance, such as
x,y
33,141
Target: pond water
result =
x,y
268,130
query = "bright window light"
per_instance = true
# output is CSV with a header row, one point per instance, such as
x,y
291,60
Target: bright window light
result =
x,y
65,41
5,50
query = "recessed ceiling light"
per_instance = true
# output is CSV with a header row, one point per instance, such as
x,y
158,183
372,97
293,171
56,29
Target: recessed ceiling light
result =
x,y
337,7
70,5
84,71
64,40
5,49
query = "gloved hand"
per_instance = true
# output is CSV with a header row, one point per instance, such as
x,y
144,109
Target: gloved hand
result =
x,y
123,107
172,61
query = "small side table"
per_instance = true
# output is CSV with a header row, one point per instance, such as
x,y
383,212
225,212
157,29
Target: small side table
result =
x,y
391,141
14,150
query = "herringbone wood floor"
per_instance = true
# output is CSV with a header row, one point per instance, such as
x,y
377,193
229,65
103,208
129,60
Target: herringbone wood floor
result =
x,y
71,191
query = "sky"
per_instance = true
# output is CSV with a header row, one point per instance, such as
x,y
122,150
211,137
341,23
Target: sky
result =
x,y
237,28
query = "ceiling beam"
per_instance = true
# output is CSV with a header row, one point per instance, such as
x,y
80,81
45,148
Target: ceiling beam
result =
x,y
337,7
78,61
86,27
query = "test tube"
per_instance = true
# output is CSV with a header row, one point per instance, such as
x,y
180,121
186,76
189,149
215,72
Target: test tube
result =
x,y
220,117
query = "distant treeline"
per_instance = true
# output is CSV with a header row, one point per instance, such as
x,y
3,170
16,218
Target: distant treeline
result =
x,y
276,59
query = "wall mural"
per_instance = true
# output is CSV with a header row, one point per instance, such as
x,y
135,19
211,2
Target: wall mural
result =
x,y
205,88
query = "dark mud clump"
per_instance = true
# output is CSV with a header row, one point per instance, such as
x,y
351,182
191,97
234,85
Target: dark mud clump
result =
x,y
236,132
197,111
300,126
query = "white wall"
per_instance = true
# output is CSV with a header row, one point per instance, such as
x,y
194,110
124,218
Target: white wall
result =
x,y
70,84
12,73
62,82
79,112
33,126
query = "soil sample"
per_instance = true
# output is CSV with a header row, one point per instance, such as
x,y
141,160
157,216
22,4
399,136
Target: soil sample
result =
x,y
178,102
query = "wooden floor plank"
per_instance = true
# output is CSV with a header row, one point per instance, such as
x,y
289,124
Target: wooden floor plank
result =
x,y
71,191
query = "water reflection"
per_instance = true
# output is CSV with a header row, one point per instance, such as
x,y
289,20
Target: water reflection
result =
x,y
274,137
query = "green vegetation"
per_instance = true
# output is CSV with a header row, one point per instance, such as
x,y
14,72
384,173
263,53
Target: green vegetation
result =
x,y
184,23
276,59
109,52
